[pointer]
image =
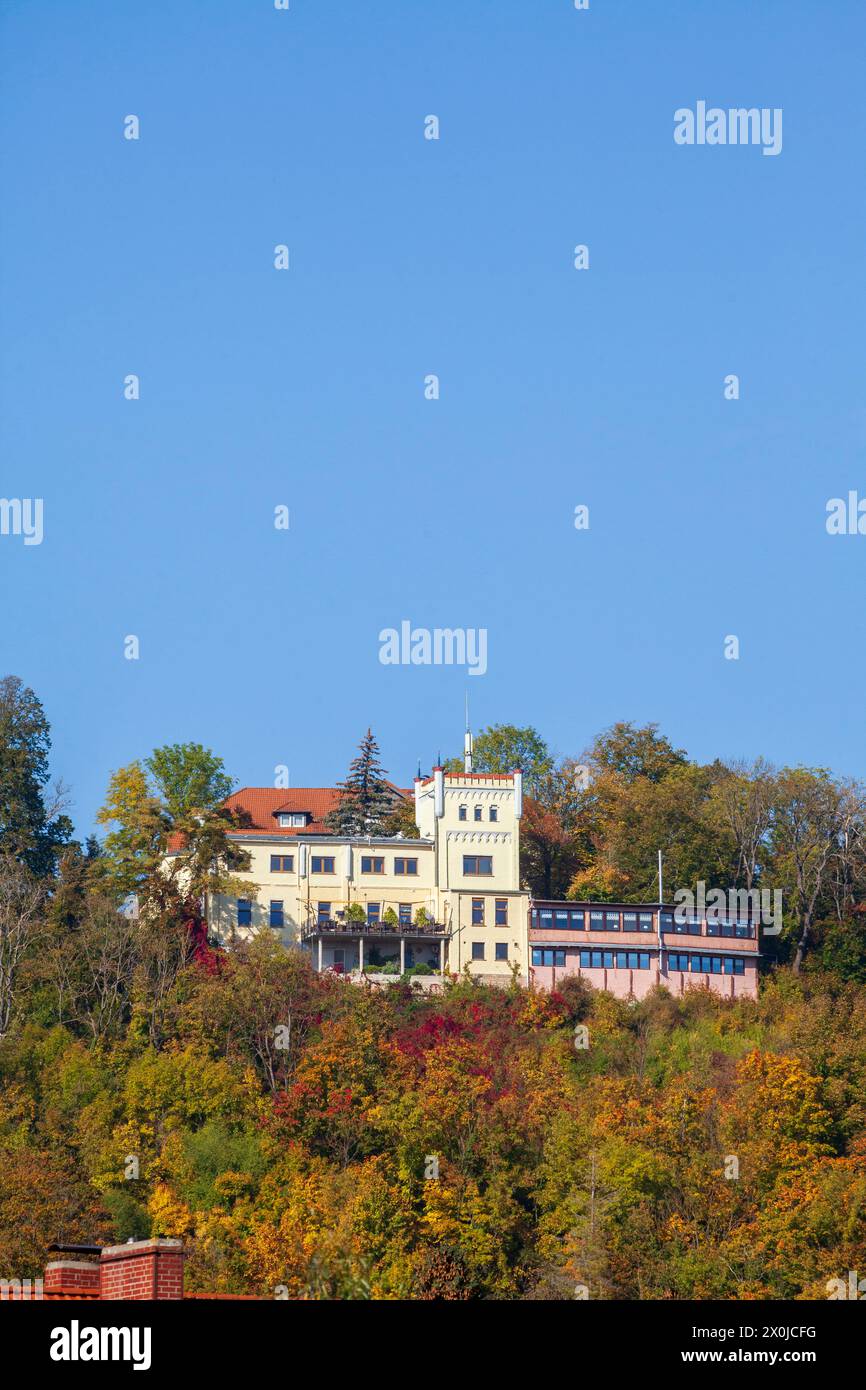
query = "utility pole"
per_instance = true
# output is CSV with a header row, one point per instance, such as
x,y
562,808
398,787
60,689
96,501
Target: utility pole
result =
x,y
661,900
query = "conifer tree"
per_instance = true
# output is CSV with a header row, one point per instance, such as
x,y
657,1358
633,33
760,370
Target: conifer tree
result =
x,y
365,796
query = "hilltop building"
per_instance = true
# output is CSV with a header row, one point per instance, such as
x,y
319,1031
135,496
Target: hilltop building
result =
x,y
452,898
448,899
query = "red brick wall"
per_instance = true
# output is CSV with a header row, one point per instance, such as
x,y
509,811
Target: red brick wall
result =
x,y
71,1279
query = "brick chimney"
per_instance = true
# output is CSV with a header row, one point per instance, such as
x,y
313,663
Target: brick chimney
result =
x,y
71,1279
142,1269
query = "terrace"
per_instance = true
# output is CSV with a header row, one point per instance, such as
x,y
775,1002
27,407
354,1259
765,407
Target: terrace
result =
x,y
349,946
332,926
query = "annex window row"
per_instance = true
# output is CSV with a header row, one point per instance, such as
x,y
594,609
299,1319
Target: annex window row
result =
x,y
574,919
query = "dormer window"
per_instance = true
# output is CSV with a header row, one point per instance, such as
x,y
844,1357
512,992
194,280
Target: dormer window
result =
x,y
290,819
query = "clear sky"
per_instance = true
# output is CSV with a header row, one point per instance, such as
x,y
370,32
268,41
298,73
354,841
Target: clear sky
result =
x,y
410,256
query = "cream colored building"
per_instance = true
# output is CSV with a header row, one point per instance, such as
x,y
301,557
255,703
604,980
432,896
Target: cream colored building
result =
x,y
449,899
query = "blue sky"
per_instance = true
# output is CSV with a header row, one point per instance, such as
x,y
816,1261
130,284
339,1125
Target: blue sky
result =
x,y
408,256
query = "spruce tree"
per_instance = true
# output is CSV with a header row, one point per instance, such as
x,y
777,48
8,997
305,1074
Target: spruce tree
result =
x,y
366,799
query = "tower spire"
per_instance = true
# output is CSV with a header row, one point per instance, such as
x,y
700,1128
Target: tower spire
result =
x,y
467,741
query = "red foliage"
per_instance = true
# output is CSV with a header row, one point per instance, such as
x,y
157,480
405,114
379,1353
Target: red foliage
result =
x,y
202,953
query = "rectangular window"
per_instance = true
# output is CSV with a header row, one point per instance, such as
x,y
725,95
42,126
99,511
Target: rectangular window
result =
x,y
477,864
596,921
622,960
478,950
553,956
667,921
245,912
478,912
561,921
643,960
404,913
373,913
282,863
629,921
611,921
501,948
739,966
339,955
501,912
537,955
405,866
276,913
608,960
324,912
706,964
547,918
577,921
477,812
494,813
585,959
745,929
321,863
461,814
633,961
371,864
645,921
597,960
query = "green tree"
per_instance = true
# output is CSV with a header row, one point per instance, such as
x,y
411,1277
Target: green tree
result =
x,y
503,748
366,798
29,830
189,778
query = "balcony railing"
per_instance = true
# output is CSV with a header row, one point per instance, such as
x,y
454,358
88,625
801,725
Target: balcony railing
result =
x,y
335,927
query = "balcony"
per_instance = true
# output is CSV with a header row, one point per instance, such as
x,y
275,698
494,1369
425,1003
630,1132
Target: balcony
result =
x,y
374,931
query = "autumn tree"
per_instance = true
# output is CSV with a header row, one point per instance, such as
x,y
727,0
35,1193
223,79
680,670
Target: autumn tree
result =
x,y
810,813
169,841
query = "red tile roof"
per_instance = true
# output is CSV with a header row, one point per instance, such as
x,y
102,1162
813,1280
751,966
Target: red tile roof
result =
x,y
264,804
